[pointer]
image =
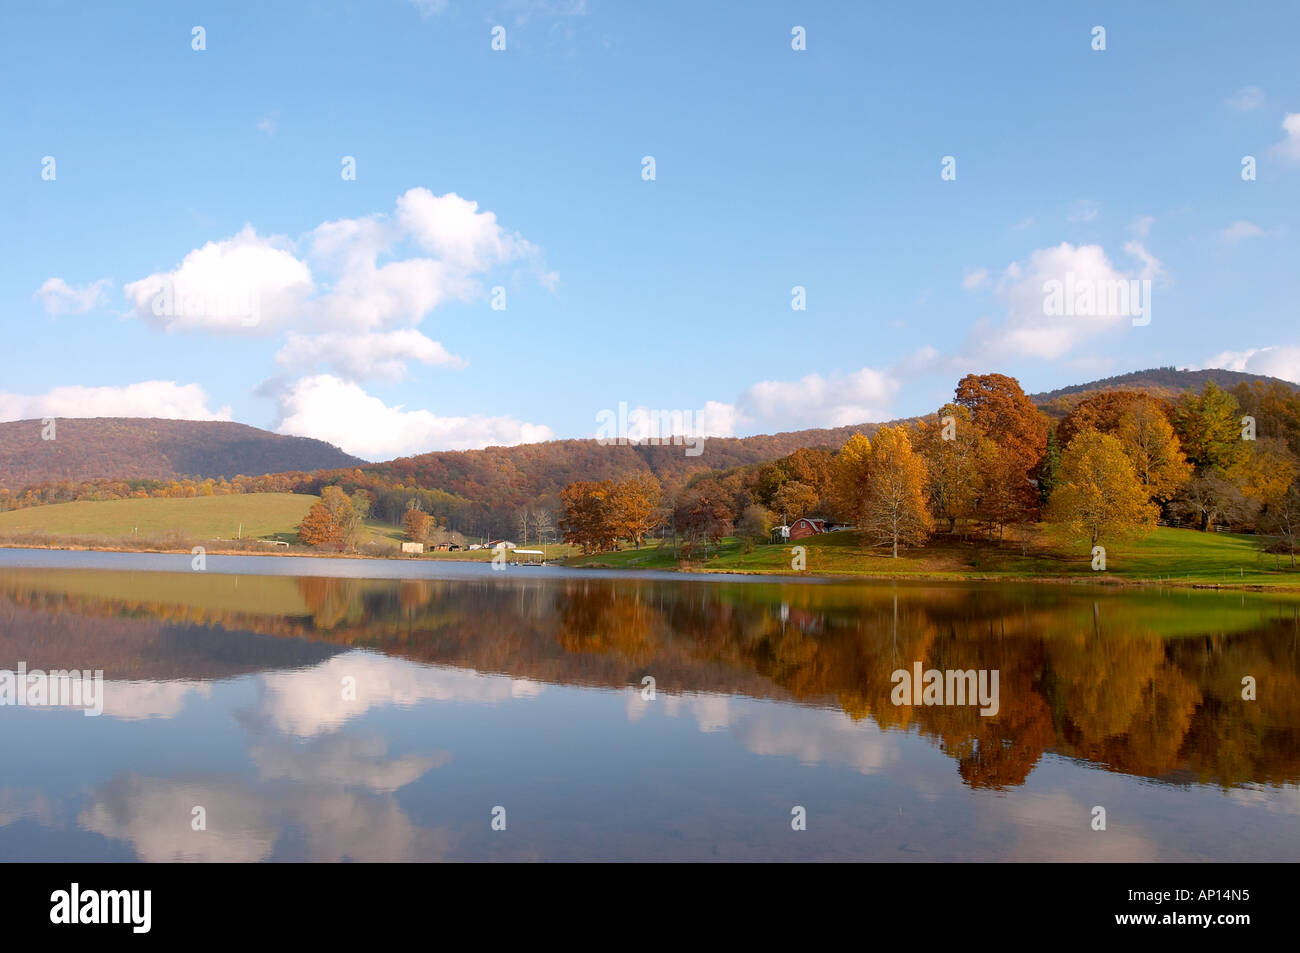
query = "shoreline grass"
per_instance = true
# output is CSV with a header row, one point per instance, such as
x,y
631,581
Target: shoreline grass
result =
x,y
1166,557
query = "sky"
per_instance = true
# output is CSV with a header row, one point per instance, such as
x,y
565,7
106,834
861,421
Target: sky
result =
x,y
362,222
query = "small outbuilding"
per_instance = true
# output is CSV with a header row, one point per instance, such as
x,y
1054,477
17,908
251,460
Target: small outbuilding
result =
x,y
412,547
806,526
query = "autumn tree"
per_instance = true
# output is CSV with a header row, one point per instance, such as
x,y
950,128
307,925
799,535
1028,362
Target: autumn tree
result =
x,y
1102,411
795,499
1153,447
1017,432
587,515
1000,409
702,514
332,521
634,505
417,524
950,446
1209,426
1099,495
1004,496
893,509
810,467
851,479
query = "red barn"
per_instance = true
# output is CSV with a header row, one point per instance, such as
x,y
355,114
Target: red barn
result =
x,y
804,527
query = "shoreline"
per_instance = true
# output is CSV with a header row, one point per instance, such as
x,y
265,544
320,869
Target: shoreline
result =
x,y
700,571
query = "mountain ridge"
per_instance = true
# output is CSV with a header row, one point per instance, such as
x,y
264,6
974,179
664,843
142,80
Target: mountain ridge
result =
x,y
124,448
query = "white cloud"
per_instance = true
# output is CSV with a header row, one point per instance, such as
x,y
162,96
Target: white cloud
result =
x,y
1240,231
1151,265
1247,98
146,399
305,704
59,297
237,283
365,356
977,278
456,231
1289,147
466,242
817,401
338,411
1141,226
1027,331
269,123
716,419
1283,362
350,278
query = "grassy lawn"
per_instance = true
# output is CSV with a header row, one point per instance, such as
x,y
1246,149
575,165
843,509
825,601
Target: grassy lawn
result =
x,y
1180,555
263,515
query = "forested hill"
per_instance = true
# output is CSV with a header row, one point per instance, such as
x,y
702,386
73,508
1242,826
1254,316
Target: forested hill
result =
x,y
1162,381
497,478
152,448
505,476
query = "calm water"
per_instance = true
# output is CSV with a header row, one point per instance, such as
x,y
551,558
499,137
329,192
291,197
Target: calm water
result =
x,y
474,690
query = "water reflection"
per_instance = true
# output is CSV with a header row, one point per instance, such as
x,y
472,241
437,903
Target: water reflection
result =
x,y
338,718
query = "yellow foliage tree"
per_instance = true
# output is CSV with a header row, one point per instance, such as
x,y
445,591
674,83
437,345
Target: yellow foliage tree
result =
x,y
1098,494
885,488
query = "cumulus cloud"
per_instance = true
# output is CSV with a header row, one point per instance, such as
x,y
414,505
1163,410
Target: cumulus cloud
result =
x,y
342,413
241,282
836,400
1027,330
348,298
365,356
145,399
59,297
456,231
977,278
1289,148
365,274
1277,361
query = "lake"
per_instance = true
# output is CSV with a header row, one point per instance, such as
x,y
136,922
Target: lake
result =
x,y
285,709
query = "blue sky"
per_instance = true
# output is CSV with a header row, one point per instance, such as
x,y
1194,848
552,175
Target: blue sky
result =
x,y
214,170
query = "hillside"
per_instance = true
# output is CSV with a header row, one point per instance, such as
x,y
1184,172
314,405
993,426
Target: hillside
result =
x,y
1165,382
496,480
146,447
503,477
250,515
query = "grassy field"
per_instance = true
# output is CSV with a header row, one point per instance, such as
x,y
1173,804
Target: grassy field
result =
x,y
262,515
1176,555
